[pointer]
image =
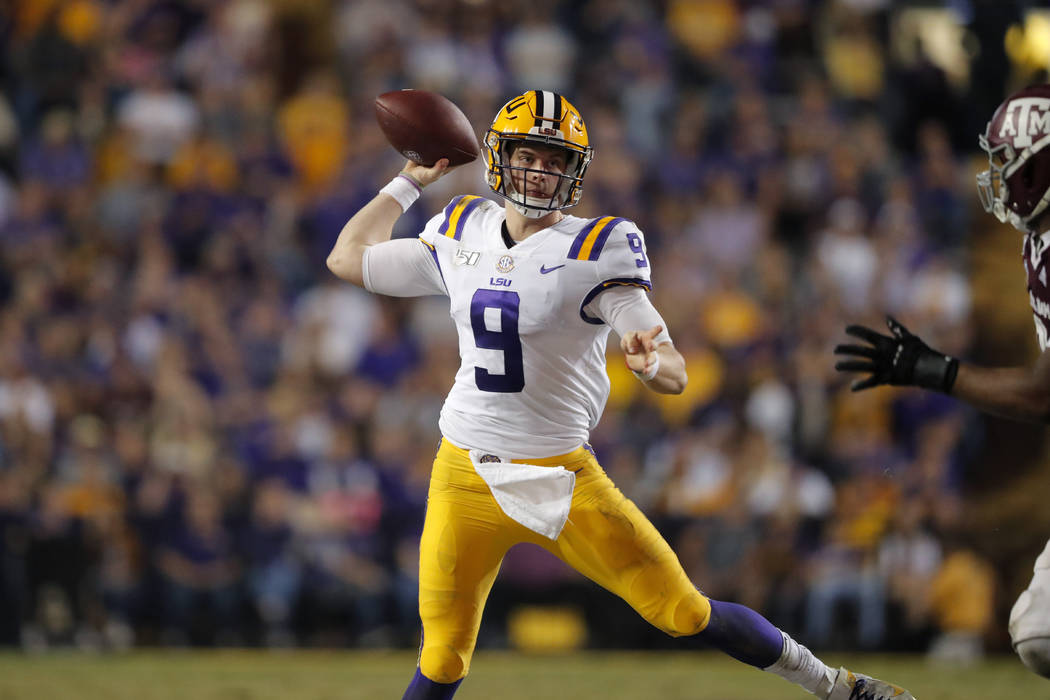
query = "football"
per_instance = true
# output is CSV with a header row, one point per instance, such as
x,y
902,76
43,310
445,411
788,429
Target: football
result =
x,y
426,127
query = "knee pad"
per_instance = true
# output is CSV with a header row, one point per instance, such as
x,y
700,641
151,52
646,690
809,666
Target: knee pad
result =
x,y
442,664
690,616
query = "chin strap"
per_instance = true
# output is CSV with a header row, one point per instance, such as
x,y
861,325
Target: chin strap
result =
x,y
529,212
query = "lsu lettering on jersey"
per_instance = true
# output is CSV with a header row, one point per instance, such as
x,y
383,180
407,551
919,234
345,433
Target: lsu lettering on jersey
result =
x,y
532,381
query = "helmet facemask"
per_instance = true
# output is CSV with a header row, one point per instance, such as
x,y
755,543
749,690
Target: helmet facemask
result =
x,y
502,175
991,185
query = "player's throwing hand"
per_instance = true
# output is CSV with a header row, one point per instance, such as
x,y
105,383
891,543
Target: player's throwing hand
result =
x,y
423,175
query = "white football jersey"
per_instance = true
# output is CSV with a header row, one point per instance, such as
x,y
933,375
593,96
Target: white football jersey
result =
x,y
532,381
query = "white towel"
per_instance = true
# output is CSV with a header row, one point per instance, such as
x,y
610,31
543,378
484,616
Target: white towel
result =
x,y
537,497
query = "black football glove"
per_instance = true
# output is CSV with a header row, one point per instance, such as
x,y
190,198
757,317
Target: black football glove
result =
x,y
901,359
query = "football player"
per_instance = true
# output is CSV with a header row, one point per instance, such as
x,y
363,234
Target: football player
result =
x,y
1015,188
534,293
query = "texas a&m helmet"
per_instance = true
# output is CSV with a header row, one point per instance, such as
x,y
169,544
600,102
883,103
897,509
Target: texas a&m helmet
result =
x,y
1016,186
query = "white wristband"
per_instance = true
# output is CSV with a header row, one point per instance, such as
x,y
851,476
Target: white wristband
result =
x,y
404,189
646,376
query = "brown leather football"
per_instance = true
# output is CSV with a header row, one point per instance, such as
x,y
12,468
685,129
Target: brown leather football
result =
x,y
426,127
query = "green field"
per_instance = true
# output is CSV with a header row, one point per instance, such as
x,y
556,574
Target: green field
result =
x,y
305,675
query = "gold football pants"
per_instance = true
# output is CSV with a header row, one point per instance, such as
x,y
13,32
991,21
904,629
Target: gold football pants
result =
x,y
606,538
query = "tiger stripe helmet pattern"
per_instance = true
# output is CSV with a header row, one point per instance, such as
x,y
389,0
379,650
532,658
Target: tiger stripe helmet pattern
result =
x,y
543,118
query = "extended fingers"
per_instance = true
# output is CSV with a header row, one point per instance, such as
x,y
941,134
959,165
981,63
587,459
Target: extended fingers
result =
x,y
640,341
859,350
864,333
865,384
855,366
896,327
647,337
863,358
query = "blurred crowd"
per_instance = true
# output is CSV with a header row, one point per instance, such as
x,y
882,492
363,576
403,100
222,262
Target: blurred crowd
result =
x,y
205,438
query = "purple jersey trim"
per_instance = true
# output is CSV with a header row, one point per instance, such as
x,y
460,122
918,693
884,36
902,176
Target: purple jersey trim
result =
x,y
615,282
574,251
448,213
599,242
461,221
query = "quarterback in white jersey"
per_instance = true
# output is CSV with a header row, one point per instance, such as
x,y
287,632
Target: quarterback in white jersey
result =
x,y
533,293
531,321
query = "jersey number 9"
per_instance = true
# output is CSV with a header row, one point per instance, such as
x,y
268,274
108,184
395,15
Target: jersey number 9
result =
x,y
635,243
505,340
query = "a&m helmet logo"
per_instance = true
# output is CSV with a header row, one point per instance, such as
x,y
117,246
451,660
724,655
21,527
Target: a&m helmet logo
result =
x,y
505,264
1027,119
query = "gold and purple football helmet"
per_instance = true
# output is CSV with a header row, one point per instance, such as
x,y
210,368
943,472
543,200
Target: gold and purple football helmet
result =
x,y
542,118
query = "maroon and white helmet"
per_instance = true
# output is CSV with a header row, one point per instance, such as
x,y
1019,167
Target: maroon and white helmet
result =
x,y
1016,187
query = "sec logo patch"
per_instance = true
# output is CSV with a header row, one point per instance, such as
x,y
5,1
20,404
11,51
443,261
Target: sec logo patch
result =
x,y
505,264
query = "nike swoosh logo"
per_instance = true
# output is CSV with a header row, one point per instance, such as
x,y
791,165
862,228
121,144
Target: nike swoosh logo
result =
x,y
544,269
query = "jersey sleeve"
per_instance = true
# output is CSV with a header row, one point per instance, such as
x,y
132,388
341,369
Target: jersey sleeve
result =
x,y
628,308
617,248
405,267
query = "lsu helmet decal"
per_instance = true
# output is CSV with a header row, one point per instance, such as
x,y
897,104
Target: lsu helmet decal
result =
x,y
542,118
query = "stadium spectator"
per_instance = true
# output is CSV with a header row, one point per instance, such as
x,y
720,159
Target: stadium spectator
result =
x,y
200,572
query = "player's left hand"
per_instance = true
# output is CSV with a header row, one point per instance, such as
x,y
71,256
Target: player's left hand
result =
x,y
900,359
639,349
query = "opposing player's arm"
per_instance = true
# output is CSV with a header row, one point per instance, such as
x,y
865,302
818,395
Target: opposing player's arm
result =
x,y
374,222
1021,393
902,359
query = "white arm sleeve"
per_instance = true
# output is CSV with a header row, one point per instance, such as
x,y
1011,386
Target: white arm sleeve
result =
x,y
627,308
403,267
